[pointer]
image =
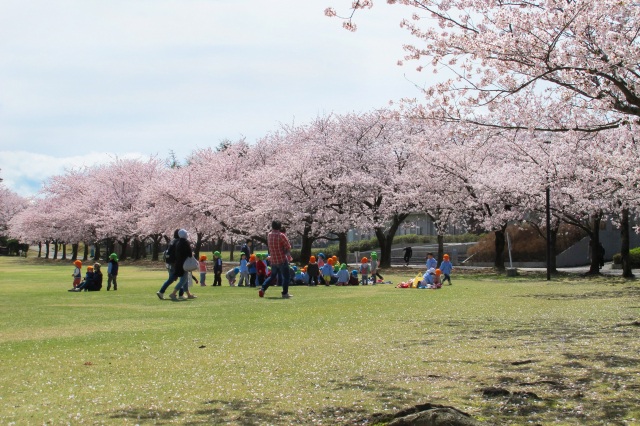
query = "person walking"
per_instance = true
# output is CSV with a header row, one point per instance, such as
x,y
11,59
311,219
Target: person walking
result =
x,y
408,252
279,251
183,251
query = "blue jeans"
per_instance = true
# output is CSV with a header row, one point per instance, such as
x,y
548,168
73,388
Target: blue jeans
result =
x,y
172,278
283,279
182,283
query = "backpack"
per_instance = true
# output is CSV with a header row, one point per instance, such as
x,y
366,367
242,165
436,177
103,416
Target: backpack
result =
x,y
169,255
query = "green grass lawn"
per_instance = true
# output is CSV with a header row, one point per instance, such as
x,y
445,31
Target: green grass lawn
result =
x,y
568,351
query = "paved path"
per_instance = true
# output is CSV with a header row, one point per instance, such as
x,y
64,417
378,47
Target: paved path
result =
x,y
606,270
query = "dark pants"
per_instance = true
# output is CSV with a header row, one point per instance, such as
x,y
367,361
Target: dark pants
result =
x,y
252,280
112,279
217,278
282,272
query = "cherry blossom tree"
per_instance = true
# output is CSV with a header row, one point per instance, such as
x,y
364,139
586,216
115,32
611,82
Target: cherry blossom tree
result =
x,y
10,205
585,53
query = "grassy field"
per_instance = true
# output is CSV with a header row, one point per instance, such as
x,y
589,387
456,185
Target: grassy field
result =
x,y
565,352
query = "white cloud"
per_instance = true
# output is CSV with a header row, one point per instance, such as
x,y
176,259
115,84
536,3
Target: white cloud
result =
x,y
154,76
25,172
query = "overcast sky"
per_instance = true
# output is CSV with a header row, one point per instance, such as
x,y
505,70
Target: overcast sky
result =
x,y
84,81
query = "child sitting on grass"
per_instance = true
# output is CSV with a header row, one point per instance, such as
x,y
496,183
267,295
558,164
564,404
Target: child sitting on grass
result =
x,y
87,282
343,275
353,278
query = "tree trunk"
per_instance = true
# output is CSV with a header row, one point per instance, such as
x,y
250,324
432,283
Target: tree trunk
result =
x,y
499,245
624,244
307,241
110,247
385,240
217,245
342,247
55,250
85,255
440,248
125,247
96,253
39,249
155,246
47,247
64,252
198,247
595,245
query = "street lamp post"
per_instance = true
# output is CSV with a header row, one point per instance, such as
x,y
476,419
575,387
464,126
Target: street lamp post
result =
x,y
548,206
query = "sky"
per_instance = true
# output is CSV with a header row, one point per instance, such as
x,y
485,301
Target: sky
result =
x,y
84,82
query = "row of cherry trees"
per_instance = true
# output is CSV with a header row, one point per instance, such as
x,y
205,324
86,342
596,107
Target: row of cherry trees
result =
x,y
557,66
340,172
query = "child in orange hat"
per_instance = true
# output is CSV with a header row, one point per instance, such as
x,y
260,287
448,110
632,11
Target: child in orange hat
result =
x,y
77,273
365,268
446,267
202,266
313,271
253,270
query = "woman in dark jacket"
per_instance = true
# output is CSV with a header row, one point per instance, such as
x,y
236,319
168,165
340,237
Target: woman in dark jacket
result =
x,y
183,251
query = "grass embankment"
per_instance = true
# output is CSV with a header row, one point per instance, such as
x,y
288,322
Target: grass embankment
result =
x,y
567,351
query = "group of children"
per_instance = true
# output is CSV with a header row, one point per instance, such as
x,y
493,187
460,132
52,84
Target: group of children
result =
x,y
434,277
253,271
329,271
93,277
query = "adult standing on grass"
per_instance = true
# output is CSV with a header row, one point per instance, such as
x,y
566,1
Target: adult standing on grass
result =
x,y
247,249
279,249
408,252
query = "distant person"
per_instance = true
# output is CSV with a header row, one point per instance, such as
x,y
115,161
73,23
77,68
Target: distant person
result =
x,y
231,276
446,267
174,261
408,252
261,269
431,262
112,272
202,267
170,261
77,273
353,278
247,249
343,275
217,269
244,271
374,268
313,272
94,284
183,251
365,268
279,252
87,282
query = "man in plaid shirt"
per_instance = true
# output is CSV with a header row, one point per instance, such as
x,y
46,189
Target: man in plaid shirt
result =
x,y
279,251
